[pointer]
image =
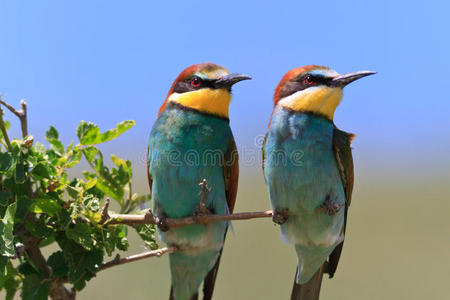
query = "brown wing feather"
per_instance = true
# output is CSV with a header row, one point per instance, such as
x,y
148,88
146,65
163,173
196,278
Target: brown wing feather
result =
x,y
343,154
149,177
263,157
231,177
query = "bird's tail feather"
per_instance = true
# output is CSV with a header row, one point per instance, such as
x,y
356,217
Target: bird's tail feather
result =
x,y
171,297
309,290
210,280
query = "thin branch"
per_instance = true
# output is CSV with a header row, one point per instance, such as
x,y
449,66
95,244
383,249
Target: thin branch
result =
x,y
3,128
104,211
148,218
21,114
201,215
31,247
205,189
23,118
120,261
11,108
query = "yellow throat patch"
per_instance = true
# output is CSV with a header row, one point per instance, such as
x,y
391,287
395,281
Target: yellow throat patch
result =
x,y
212,101
322,100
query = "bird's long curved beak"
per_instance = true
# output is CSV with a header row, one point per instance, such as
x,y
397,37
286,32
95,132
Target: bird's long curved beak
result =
x,y
228,80
343,80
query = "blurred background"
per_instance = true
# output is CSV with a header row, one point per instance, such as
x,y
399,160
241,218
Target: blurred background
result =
x,y
106,62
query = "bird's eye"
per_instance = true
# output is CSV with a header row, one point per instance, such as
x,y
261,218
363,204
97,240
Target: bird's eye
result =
x,y
309,80
195,82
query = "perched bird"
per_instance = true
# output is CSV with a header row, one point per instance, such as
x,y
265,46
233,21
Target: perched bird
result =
x,y
308,168
191,140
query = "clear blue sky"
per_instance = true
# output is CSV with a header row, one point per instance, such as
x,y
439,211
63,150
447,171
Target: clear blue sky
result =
x,y
106,61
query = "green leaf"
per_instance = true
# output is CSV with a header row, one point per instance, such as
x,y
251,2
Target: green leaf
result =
x,y
122,241
23,204
38,229
83,264
52,134
90,153
58,264
47,241
34,288
43,170
7,126
6,231
147,234
119,162
52,137
6,162
81,234
5,196
46,205
115,236
74,159
39,148
10,280
89,133
90,184
20,176
3,261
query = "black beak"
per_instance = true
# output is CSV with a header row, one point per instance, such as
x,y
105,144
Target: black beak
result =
x,y
229,80
343,80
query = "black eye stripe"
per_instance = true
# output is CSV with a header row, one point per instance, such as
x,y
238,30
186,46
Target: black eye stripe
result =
x,y
187,86
302,83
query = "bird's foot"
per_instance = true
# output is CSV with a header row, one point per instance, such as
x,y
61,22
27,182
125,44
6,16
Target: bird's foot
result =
x,y
201,213
280,216
331,206
161,222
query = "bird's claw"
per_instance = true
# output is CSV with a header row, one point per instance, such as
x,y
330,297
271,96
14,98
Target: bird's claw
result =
x,y
280,216
331,206
201,213
161,222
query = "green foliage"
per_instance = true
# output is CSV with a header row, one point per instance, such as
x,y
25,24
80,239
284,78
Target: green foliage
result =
x,y
40,202
89,133
6,231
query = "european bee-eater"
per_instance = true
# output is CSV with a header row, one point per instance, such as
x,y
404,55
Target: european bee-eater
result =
x,y
308,168
191,140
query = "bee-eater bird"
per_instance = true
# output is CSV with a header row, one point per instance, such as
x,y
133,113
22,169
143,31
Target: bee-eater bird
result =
x,y
191,140
308,168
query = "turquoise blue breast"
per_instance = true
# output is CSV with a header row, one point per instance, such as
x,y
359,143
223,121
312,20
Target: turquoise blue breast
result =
x,y
301,172
185,147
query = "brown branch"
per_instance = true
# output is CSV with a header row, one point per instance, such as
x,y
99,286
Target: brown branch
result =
x,y
11,108
23,118
3,129
205,189
21,114
201,215
120,261
148,218
104,211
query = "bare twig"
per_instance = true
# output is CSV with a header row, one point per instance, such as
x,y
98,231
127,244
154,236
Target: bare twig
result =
x,y
120,261
3,128
173,223
104,211
205,189
11,108
201,211
201,215
23,118
21,114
